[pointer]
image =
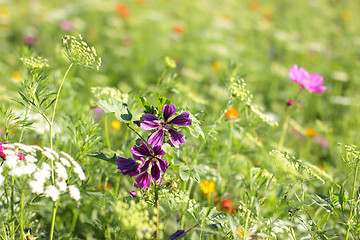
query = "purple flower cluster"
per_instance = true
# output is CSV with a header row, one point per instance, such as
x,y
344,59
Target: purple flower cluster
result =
x,y
313,82
147,164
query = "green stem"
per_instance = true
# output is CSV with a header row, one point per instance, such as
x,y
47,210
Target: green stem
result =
x,y
157,210
106,132
22,214
55,207
161,77
284,128
353,196
12,207
23,126
55,104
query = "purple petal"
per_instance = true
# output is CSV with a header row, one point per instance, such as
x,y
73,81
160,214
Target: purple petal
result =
x,y
133,193
182,120
158,151
168,111
142,151
156,139
163,165
176,138
177,235
150,122
144,167
127,166
143,181
155,173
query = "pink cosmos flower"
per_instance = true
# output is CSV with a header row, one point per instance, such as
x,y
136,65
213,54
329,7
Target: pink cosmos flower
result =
x,y
313,82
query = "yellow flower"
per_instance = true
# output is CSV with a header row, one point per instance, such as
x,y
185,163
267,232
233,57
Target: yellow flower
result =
x,y
116,125
240,233
4,12
16,76
310,132
346,15
216,66
207,186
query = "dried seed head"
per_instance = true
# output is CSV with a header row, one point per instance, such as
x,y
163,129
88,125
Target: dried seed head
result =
x,y
78,52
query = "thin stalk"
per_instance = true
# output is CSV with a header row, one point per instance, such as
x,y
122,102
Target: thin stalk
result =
x,y
353,196
12,226
55,104
157,210
22,214
284,128
26,116
161,78
55,207
106,132
128,125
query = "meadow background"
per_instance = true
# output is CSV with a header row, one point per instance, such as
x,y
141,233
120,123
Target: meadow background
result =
x,y
230,180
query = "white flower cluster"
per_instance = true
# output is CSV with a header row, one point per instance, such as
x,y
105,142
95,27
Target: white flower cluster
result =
x,y
27,165
178,200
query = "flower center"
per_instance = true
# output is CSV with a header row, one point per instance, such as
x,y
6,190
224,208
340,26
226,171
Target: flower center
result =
x,y
307,82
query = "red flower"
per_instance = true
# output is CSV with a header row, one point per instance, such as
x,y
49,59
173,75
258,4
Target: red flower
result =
x,y
227,205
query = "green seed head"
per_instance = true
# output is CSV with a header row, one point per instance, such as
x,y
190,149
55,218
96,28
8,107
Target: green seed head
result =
x,y
78,52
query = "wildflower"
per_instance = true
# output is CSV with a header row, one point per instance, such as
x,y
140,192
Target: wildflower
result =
x,y
16,76
4,13
52,192
178,234
74,193
179,28
151,122
78,52
133,193
29,40
254,6
97,113
116,125
227,205
207,187
319,139
310,132
67,25
122,10
216,66
312,82
346,14
232,113
148,159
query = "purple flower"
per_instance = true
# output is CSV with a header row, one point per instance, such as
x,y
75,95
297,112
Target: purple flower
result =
x,y
151,122
133,193
29,40
148,160
313,82
178,234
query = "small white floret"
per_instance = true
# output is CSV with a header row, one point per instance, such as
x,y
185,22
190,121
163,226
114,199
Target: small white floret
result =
x,y
52,192
74,193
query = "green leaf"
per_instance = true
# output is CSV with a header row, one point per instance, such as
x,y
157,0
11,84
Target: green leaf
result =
x,y
120,109
148,108
160,101
102,156
184,173
195,175
195,128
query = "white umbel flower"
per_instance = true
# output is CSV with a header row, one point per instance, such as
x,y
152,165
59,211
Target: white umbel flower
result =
x,y
62,185
37,187
60,171
74,193
52,192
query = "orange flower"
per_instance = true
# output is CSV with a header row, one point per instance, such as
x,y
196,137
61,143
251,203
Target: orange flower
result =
x,y
232,113
310,132
122,10
254,6
267,14
179,28
140,1
108,186
116,125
